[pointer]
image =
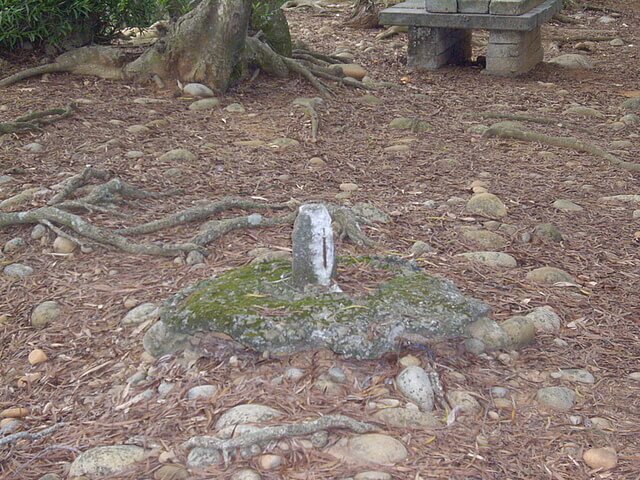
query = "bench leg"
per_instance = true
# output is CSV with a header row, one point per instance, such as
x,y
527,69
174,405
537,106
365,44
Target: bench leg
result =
x,y
511,53
430,48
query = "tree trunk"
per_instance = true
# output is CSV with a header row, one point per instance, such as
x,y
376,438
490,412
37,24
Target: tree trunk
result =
x,y
206,46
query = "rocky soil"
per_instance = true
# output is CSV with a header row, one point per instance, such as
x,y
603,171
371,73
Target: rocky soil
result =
x,y
547,236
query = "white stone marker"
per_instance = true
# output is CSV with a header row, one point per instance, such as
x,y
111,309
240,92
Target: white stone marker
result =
x,y
313,249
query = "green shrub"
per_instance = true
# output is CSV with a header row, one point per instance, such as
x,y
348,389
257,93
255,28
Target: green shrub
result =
x,y
53,21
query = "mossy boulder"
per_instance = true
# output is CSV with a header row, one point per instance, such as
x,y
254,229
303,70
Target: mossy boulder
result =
x,y
257,307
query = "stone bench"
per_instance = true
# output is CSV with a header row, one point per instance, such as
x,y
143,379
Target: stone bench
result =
x,y
440,31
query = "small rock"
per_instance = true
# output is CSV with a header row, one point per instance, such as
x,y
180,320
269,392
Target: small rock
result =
x,y
203,457
138,129
282,143
397,149
137,378
545,319
371,100
246,413
194,257
586,46
372,475
409,361
556,398
607,19
420,248
474,346
142,313
572,61
489,333
246,474
5,179
629,119
18,270
270,462
64,245
486,205
337,375
235,108
549,276
465,401
520,330
171,472
44,313
413,124
202,391
503,403
198,90
104,461
134,154
349,187
372,448
415,384
477,129
293,374
491,259
634,376
204,104
37,356
317,162
604,458
33,147
178,155
352,70
632,104
164,388
600,423
14,245
558,342
485,239
547,232
574,375
499,392
617,42
567,206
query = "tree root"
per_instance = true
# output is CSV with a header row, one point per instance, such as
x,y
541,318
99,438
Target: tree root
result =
x,y
34,121
562,18
520,118
14,437
34,72
308,105
269,434
293,4
391,31
58,214
563,142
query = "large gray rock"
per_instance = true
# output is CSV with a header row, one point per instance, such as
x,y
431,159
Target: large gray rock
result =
x,y
18,270
412,302
556,398
104,461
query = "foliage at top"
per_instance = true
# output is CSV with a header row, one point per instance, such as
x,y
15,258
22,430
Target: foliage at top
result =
x,y
54,21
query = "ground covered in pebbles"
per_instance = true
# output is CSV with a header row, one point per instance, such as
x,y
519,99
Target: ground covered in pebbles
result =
x,y
564,406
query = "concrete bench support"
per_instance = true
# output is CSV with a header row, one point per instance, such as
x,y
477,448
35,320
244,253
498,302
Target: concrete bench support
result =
x,y
513,53
437,38
431,48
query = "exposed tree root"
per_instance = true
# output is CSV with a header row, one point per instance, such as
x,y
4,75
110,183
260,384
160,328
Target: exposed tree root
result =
x,y
269,434
364,15
563,142
520,118
308,105
391,31
58,213
562,18
14,437
293,4
34,121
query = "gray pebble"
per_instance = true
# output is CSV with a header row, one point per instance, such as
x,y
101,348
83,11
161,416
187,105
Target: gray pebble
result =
x,y
18,270
337,375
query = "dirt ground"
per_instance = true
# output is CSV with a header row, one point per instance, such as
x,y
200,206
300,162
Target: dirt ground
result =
x,y
91,355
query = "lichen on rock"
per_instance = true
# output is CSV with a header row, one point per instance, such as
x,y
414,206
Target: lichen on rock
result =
x,y
257,306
